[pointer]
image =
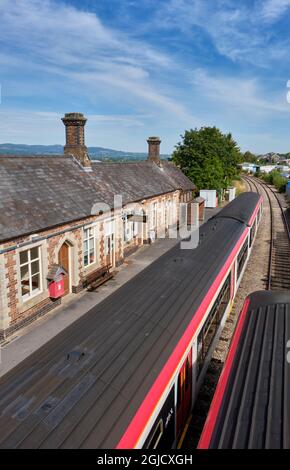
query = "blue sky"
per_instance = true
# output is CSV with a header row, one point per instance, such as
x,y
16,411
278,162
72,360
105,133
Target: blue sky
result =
x,y
144,67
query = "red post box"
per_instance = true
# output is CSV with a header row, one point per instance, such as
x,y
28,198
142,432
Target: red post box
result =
x,y
56,281
56,288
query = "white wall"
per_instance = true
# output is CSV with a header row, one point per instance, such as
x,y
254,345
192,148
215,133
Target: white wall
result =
x,y
210,197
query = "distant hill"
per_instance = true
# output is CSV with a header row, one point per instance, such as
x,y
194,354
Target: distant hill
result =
x,y
96,153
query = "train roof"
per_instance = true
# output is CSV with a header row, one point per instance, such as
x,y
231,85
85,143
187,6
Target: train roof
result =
x,y
241,208
251,406
82,388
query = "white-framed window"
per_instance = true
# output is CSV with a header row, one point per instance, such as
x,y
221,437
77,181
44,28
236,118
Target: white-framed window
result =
x,y
30,272
162,211
154,215
130,228
169,212
127,229
89,246
183,214
110,226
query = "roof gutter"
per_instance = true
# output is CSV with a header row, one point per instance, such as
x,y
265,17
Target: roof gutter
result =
x,y
41,238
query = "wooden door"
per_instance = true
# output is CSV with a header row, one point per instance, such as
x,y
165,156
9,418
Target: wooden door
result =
x,y
184,393
63,260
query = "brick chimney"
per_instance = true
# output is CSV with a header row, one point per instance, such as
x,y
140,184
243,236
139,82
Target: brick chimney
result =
x,y
75,137
154,149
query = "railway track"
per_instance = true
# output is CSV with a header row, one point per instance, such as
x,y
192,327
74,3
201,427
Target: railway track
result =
x,y
278,277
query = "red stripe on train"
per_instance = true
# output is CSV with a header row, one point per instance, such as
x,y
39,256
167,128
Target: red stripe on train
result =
x,y
210,423
256,210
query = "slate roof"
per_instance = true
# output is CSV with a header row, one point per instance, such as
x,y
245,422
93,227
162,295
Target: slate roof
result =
x,y
41,192
120,347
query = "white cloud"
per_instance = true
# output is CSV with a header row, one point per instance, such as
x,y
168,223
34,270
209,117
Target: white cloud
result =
x,y
239,30
142,90
243,94
54,37
273,10
21,126
123,120
264,142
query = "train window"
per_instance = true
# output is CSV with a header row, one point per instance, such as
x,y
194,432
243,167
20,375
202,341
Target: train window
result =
x,y
179,390
253,231
187,373
156,436
242,258
209,329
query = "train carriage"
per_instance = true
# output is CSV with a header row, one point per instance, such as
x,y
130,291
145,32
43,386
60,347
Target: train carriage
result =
x,y
251,405
127,373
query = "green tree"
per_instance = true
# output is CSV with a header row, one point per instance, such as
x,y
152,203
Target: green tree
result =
x,y
208,157
249,157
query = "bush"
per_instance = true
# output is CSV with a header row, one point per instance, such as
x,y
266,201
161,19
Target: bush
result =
x,y
237,178
275,178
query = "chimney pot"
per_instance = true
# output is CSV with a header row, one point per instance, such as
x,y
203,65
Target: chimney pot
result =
x,y
154,149
75,137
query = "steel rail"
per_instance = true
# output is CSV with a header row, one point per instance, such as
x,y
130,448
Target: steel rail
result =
x,y
270,261
287,227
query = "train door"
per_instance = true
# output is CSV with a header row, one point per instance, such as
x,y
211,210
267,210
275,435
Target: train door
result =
x,y
184,394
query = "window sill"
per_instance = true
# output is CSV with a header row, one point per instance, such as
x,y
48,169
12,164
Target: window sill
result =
x,y
30,297
91,267
30,302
